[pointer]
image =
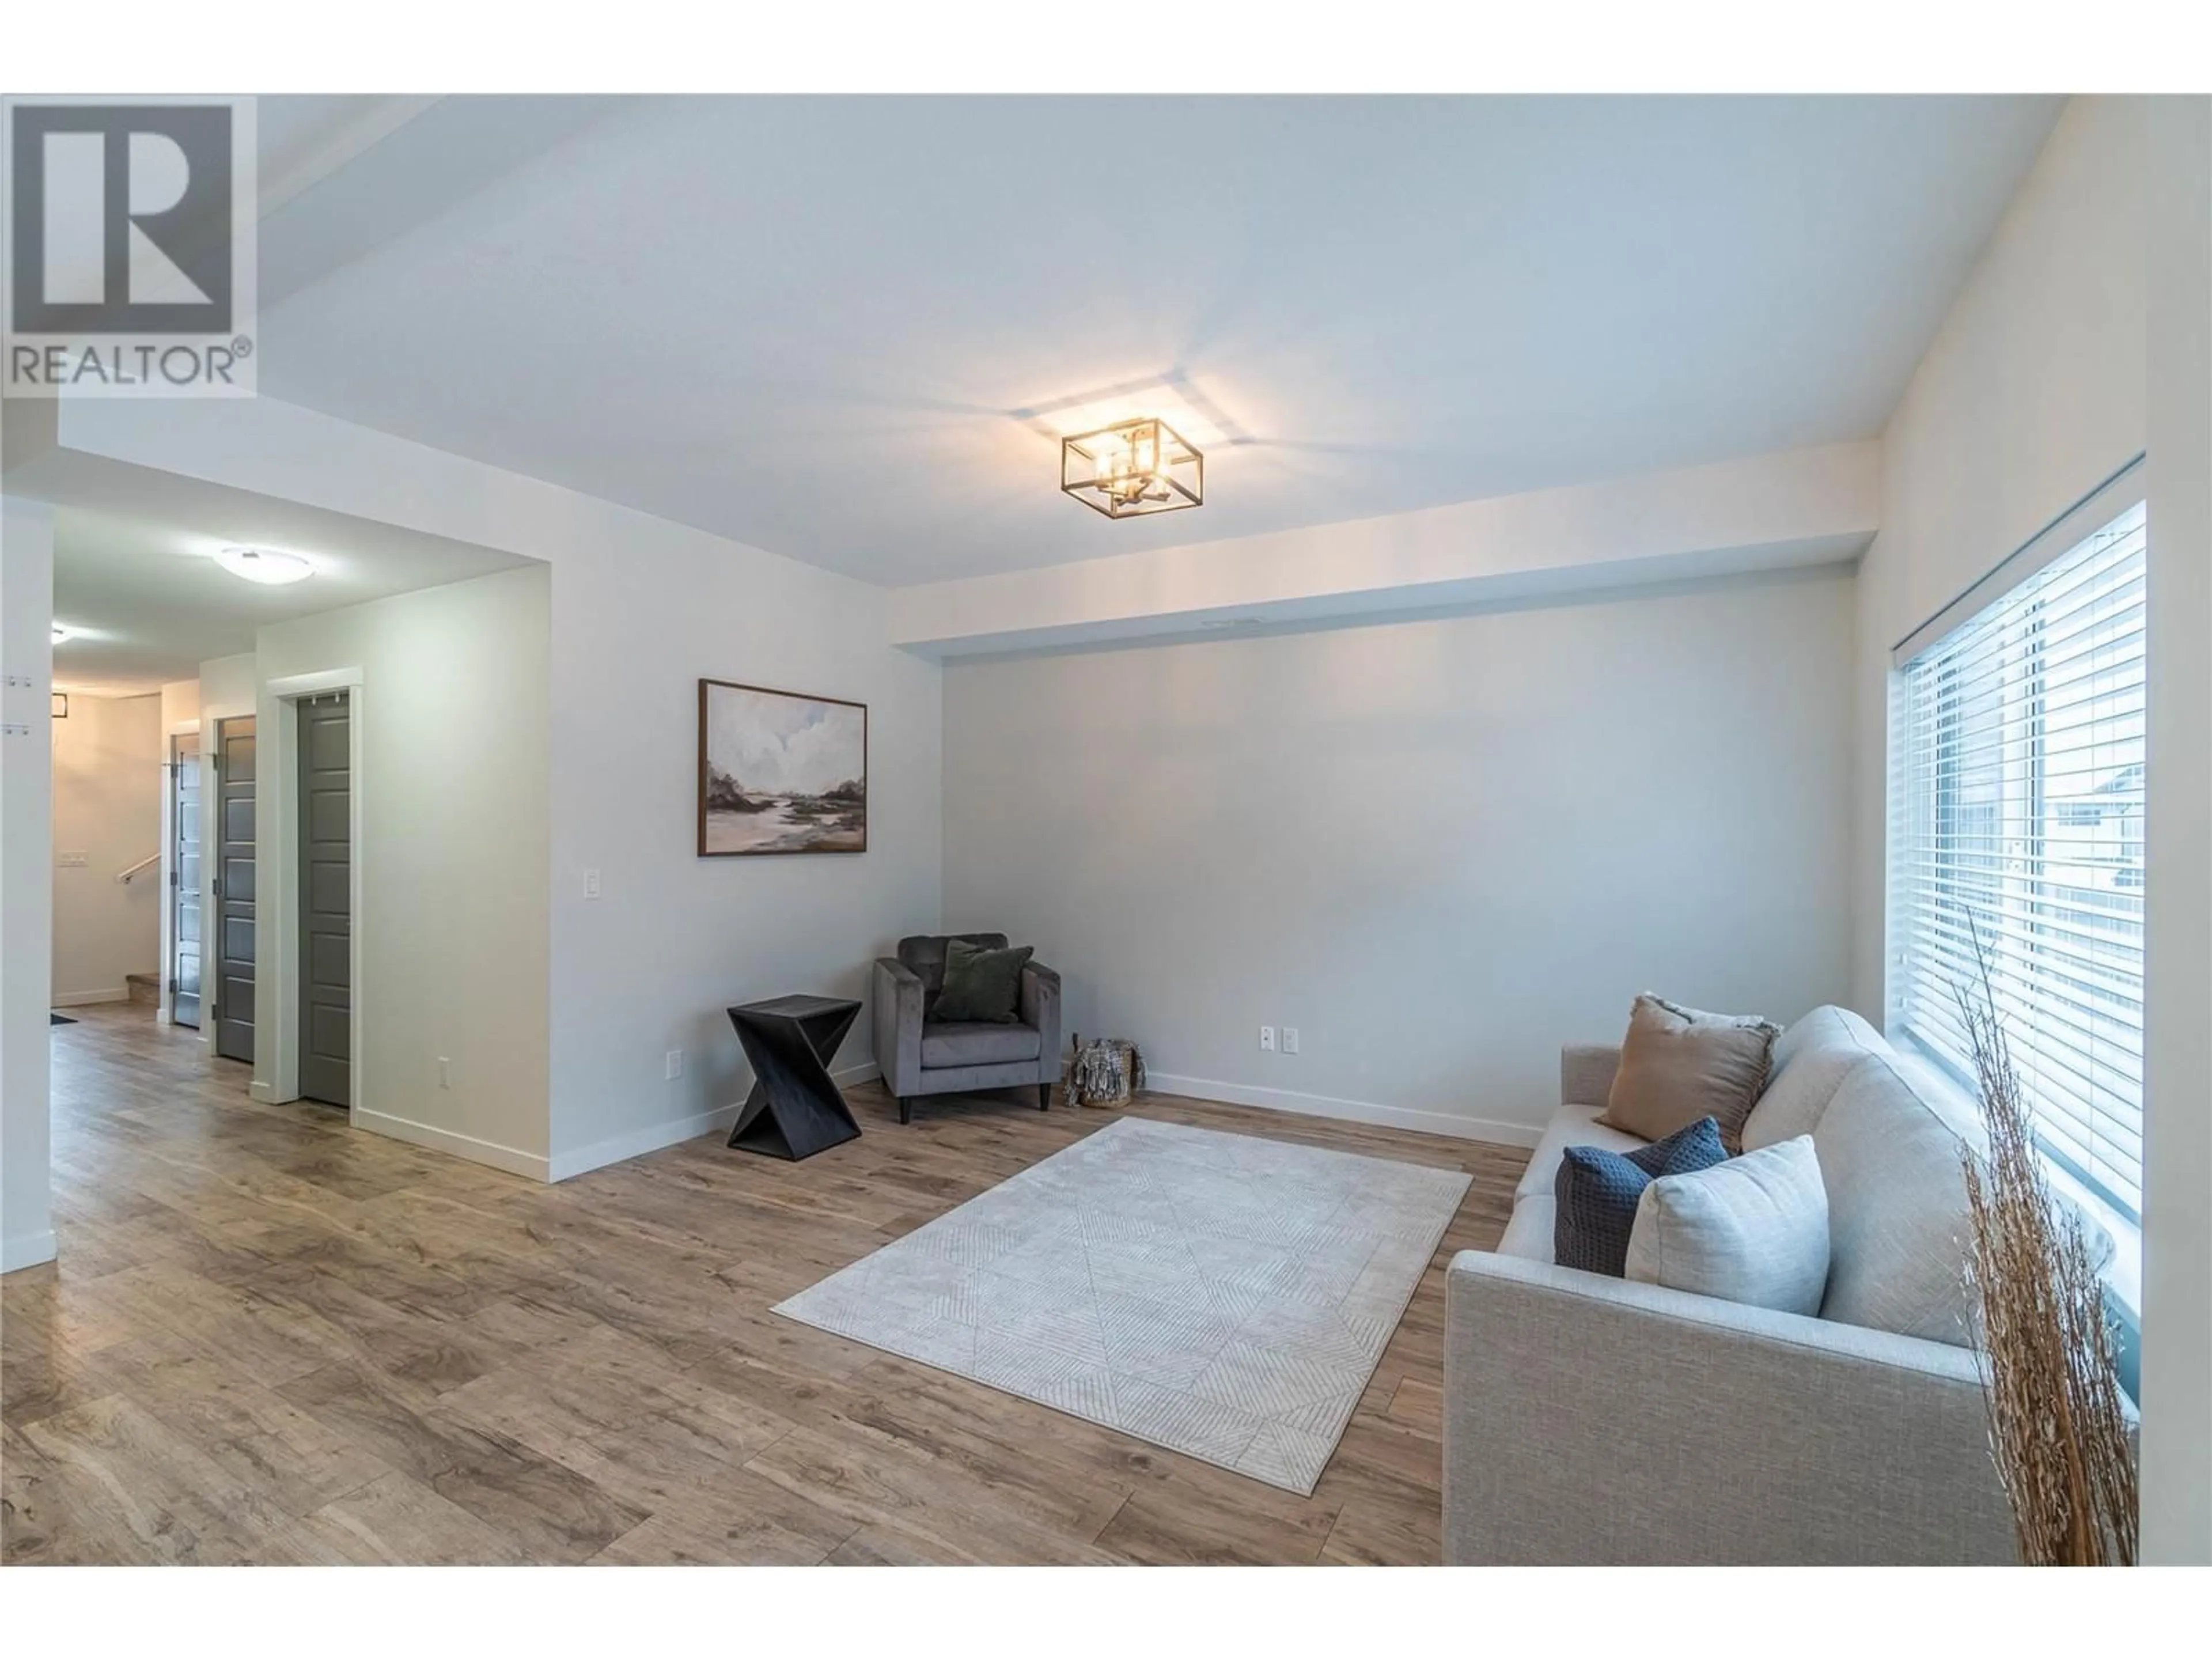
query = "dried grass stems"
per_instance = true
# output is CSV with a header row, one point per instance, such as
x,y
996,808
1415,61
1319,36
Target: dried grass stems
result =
x,y
2058,1429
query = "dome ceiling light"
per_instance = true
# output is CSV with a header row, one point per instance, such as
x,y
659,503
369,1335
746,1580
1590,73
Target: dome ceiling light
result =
x,y
263,565
1133,468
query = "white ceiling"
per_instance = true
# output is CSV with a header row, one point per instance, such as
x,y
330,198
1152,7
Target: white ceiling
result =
x,y
846,330
150,603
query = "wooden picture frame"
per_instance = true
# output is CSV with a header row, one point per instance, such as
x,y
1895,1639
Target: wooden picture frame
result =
x,y
775,772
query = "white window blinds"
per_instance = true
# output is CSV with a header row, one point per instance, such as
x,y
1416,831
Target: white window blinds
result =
x,y
2017,815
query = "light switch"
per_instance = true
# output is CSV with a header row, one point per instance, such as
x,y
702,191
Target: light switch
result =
x,y
591,883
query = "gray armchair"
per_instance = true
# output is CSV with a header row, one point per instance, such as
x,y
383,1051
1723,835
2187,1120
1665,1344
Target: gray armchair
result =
x,y
920,1055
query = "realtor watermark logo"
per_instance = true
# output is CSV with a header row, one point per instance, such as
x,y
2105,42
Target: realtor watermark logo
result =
x,y
130,252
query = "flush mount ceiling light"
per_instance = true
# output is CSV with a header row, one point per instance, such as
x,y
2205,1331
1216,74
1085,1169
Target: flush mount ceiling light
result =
x,y
1133,468
261,564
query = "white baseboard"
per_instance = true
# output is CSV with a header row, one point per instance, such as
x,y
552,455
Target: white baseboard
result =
x,y
1350,1111
86,998
511,1159
636,1143
619,1149
25,1250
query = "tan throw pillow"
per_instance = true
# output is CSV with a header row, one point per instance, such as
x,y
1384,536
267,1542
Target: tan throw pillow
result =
x,y
1678,1065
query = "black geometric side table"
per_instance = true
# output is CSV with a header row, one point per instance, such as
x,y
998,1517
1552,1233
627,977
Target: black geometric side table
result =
x,y
794,1110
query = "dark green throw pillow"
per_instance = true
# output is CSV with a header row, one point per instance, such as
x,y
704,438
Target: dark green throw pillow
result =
x,y
981,985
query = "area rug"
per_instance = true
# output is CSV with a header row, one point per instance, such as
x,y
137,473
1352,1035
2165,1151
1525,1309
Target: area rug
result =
x,y
1221,1295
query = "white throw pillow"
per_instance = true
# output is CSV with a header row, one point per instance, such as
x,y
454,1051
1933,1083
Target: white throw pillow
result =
x,y
1753,1230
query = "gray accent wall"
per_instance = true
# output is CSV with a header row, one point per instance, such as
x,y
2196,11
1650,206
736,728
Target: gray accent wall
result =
x,y
1439,848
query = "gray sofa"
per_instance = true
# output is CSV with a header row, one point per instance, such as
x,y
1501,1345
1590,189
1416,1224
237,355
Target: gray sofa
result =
x,y
921,1055
1592,1419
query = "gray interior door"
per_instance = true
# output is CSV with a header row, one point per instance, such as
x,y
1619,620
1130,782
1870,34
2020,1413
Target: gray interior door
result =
x,y
185,878
326,900
234,889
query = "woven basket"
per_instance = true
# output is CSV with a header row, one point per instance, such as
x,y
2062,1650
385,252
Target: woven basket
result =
x,y
1106,1072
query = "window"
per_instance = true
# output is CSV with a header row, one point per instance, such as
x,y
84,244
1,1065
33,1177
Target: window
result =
x,y
2017,819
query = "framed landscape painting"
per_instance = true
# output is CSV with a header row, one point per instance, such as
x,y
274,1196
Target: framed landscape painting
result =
x,y
779,772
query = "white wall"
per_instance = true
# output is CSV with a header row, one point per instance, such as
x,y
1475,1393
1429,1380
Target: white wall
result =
x,y
227,687
642,608
1440,849
2031,395
454,745
2038,386
1795,510
108,783
26,608
676,938
180,705
2177,1358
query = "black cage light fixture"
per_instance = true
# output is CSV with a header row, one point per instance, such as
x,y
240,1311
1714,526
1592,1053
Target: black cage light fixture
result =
x,y
1132,468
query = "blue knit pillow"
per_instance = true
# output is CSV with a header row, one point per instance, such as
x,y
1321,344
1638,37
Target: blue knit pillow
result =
x,y
1598,1191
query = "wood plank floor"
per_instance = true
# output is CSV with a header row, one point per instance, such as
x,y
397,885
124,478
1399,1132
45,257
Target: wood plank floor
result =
x,y
270,1338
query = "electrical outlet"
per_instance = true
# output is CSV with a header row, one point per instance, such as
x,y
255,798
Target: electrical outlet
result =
x,y
1267,1038
445,1073
71,860
674,1068
591,883
1290,1039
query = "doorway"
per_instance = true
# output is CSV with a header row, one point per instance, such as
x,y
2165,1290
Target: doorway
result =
x,y
184,965
235,945
326,898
